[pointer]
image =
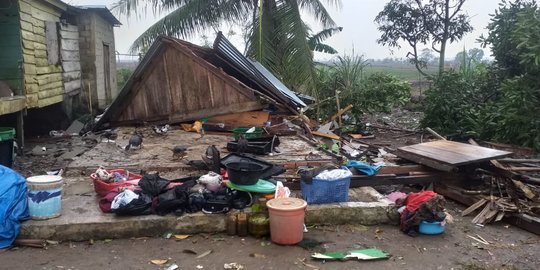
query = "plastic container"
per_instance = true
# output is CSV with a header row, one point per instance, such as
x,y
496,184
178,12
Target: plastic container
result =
x,y
244,173
326,191
44,196
102,188
6,146
231,224
258,222
251,135
431,227
242,224
286,220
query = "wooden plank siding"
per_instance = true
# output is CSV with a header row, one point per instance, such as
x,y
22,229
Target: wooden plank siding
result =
x,y
176,85
43,80
70,58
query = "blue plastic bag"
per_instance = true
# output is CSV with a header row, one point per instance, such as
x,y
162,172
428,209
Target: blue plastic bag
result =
x,y
13,205
363,167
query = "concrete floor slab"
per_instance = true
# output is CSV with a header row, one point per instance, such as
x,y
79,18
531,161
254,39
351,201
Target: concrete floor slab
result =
x,y
82,219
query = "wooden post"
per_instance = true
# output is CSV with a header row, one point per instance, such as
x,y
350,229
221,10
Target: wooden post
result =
x,y
338,106
20,131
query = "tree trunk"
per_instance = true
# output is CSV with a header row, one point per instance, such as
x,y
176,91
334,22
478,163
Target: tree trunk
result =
x,y
441,56
444,36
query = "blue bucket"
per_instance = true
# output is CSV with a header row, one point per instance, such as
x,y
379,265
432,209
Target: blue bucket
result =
x,y
431,227
44,196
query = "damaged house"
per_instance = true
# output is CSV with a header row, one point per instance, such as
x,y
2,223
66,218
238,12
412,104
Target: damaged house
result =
x,y
54,54
178,81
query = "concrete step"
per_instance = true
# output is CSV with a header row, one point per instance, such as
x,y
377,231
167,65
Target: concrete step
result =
x,y
82,219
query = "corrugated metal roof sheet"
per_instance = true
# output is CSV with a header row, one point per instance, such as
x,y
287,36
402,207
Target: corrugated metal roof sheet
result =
x,y
256,72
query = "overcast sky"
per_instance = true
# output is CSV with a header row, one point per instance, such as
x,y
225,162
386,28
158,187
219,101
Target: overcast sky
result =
x,y
356,17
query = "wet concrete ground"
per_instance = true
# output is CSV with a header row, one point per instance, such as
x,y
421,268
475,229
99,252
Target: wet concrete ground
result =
x,y
509,248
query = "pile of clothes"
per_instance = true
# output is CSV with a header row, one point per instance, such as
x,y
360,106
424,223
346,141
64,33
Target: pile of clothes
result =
x,y
417,207
157,195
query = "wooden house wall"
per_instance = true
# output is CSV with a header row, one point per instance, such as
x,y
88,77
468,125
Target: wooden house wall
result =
x,y
10,47
70,58
178,86
42,80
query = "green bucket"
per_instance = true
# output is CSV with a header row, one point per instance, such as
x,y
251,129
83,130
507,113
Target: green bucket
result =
x,y
6,133
6,146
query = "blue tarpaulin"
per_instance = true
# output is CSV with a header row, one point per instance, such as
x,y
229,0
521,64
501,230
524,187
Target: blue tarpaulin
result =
x,y
13,205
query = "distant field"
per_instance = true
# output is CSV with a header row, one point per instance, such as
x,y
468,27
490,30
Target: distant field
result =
x,y
405,72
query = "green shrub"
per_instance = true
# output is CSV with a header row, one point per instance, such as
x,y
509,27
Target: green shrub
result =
x,y
499,102
374,93
122,75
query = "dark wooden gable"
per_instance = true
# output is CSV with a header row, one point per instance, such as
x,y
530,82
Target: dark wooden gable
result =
x,y
177,86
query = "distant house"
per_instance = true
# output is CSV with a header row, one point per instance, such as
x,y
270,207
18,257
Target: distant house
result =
x,y
54,53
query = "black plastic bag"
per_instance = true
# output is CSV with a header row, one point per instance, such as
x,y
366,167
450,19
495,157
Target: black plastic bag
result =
x,y
217,204
196,202
137,207
153,184
173,200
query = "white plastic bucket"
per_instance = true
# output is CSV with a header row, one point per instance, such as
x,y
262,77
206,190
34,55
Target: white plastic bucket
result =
x,y
44,196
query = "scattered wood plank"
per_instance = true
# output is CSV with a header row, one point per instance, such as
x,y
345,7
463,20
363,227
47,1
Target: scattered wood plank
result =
x,y
437,135
521,220
341,112
524,169
326,135
473,207
360,136
392,128
518,160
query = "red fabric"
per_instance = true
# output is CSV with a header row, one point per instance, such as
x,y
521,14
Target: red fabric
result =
x,y
414,200
105,202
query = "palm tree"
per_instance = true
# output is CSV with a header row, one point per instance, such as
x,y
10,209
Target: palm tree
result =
x,y
278,36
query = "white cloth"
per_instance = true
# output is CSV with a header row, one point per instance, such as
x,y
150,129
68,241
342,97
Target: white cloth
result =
x,y
333,174
123,198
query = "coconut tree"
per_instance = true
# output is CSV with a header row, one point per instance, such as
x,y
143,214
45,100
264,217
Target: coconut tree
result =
x,y
277,37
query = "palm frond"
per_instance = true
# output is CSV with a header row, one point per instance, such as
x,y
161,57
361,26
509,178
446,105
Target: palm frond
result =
x,y
194,16
323,35
317,10
324,48
298,58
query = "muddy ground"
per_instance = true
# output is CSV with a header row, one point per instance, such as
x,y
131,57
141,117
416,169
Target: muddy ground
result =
x,y
509,248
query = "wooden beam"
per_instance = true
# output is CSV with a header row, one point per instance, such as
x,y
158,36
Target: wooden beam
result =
x,y
341,112
518,160
380,180
326,135
437,135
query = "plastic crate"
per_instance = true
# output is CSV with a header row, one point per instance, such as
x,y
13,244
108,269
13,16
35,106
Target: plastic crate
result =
x,y
251,135
326,191
102,188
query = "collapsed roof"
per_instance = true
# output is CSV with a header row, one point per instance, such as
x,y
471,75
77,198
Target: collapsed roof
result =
x,y
178,81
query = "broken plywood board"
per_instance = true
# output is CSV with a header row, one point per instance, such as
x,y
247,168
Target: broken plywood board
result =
x,y
448,155
242,119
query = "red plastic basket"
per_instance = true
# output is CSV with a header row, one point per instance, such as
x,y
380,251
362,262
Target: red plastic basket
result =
x,y
102,188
